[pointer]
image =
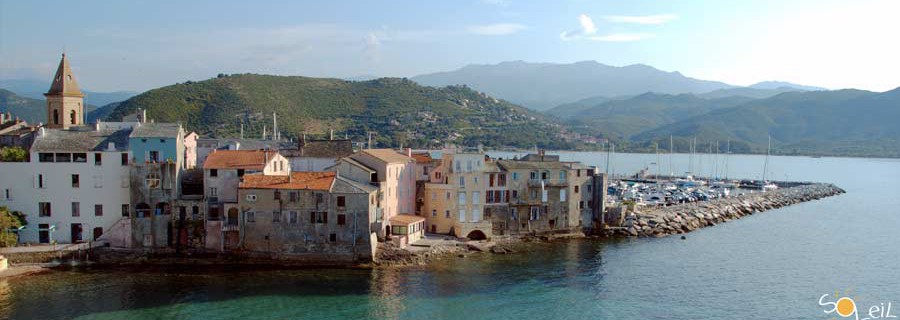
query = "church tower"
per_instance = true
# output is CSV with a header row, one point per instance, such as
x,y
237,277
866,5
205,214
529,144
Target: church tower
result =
x,y
65,102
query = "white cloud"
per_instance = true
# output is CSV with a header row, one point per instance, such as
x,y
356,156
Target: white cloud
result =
x,y
588,31
497,29
651,19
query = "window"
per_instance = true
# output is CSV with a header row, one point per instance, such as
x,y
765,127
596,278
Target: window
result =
x,y
162,140
341,202
213,213
476,215
195,212
590,172
76,209
491,180
562,195
332,237
476,180
293,196
462,215
476,197
44,209
277,195
462,181
79,157
469,165
250,216
562,176
489,197
501,180
213,192
399,230
154,156
98,210
448,195
6,194
152,180
240,173
213,172
320,198
515,194
544,175
125,210
458,166
63,157
276,216
318,217
535,213
515,176
578,173
98,159
75,182
534,175
249,197
434,212
462,198
45,157
580,204
544,194
447,214
124,159
576,189
512,214
292,217
342,219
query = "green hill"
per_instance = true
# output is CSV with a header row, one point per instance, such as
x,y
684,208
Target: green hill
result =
x,y
28,109
843,122
399,110
620,119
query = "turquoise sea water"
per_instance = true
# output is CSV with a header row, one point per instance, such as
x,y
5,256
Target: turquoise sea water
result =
x,y
772,265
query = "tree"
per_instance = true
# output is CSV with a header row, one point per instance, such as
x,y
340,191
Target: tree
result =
x,y
10,221
13,154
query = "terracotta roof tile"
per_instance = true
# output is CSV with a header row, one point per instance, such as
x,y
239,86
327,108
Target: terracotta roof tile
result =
x,y
422,157
298,180
238,159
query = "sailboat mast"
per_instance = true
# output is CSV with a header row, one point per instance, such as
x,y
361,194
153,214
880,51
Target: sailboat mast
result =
x,y
766,162
671,151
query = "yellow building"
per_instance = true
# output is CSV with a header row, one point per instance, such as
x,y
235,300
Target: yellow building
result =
x,y
454,196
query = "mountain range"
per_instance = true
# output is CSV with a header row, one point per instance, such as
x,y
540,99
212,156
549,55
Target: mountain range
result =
x,y
35,89
541,86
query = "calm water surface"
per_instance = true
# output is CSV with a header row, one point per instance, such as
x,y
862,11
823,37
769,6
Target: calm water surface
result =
x,y
773,265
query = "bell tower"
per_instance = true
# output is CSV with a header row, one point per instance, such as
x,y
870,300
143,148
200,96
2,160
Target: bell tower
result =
x,y
65,102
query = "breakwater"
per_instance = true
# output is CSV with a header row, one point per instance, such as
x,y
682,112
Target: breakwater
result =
x,y
683,218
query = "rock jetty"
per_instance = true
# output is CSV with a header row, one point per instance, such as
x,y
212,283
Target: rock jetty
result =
x,y
683,218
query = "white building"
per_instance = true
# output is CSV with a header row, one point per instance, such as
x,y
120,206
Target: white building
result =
x,y
75,188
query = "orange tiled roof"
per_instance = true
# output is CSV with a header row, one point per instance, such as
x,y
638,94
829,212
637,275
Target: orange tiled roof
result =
x,y
298,180
423,157
238,159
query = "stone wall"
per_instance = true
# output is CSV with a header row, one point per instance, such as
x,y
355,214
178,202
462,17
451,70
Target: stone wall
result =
x,y
689,217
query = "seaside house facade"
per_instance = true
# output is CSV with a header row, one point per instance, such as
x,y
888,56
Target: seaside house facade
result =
x,y
454,198
223,171
311,216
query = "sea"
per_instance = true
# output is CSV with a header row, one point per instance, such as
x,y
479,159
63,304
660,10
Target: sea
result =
x,y
787,263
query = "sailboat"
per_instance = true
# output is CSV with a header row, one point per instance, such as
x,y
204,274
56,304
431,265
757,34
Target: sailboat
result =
x,y
765,185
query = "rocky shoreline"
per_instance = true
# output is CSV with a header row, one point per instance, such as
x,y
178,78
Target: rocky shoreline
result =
x,y
683,218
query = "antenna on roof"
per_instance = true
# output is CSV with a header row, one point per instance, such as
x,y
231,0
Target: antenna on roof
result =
x,y
242,129
274,126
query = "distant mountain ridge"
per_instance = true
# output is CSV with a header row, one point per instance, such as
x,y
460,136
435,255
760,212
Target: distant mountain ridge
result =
x,y
773,85
33,111
541,86
35,89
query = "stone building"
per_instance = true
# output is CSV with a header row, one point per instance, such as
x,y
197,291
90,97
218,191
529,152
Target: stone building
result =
x,y
157,151
453,199
317,217
65,101
316,155
223,172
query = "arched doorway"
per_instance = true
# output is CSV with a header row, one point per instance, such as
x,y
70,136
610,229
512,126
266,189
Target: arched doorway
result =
x,y
476,235
55,116
162,208
73,117
233,216
143,210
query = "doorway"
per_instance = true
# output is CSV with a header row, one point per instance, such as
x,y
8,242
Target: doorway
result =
x,y
76,232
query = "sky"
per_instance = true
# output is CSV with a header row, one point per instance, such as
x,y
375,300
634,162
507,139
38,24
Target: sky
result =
x,y
140,45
